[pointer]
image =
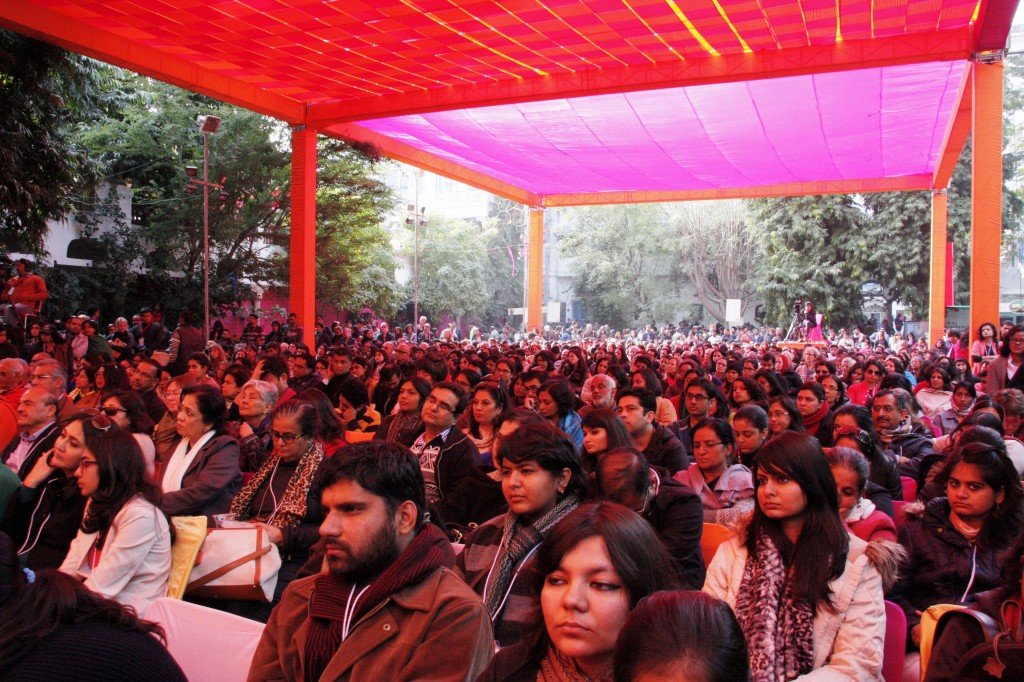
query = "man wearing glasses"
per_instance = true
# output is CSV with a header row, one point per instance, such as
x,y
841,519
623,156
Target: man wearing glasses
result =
x,y
446,454
145,380
52,377
700,400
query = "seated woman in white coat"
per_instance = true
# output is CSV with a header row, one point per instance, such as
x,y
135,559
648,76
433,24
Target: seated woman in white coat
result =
x,y
123,547
807,594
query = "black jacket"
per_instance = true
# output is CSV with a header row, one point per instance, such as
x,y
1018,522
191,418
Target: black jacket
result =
x,y
666,451
45,520
940,562
907,451
677,516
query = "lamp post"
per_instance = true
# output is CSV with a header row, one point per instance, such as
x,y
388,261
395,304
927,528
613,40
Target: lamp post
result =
x,y
416,218
208,125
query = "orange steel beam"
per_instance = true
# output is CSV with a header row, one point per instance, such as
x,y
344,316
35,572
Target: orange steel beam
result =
x,y
535,271
302,250
900,184
937,286
949,45
986,192
53,27
957,130
406,153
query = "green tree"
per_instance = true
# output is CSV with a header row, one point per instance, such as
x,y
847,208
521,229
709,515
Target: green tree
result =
x,y
804,242
453,268
504,232
627,269
146,137
43,91
355,260
719,251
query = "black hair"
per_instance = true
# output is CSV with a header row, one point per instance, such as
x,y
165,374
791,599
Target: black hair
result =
x,y
500,398
1006,520
622,471
461,396
212,407
815,388
549,448
122,477
754,414
648,401
561,393
682,635
138,420
387,470
275,365
329,426
819,554
796,421
651,381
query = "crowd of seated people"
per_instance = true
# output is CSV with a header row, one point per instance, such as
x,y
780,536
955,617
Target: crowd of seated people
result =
x,y
516,506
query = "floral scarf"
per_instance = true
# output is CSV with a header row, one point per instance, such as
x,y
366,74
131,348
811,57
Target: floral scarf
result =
x,y
778,628
293,505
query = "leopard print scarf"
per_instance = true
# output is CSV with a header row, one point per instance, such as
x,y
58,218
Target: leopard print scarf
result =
x,y
293,504
778,628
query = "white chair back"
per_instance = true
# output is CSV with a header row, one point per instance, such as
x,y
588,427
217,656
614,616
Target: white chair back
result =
x,y
209,645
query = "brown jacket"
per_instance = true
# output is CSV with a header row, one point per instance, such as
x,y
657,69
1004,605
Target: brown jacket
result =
x,y
437,629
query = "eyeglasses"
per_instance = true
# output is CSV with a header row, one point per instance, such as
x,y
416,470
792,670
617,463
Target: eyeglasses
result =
x,y
697,396
431,400
40,377
285,437
86,463
148,376
706,446
871,371
112,411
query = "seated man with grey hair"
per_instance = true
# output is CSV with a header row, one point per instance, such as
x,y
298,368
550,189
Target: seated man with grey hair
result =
x,y
891,411
598,391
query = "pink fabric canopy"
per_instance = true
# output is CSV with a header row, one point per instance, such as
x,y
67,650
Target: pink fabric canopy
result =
x,y
886,122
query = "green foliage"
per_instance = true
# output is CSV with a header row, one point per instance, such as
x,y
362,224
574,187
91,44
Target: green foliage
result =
x,y
147,135
355,261
627,270
805,241
43,89
503,233
453,270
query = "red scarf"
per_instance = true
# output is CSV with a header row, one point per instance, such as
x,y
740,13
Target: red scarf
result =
x,y
428,551
811,423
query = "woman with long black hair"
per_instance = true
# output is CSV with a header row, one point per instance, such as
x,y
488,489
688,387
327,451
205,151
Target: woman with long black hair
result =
x,y
806,593
123,547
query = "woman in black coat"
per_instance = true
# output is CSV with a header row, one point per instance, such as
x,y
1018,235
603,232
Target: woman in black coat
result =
x,y
953,542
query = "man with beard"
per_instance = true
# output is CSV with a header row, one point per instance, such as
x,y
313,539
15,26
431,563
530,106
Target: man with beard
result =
x,y
388,607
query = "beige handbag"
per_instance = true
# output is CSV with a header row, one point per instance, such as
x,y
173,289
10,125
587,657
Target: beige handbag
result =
x,y
236,563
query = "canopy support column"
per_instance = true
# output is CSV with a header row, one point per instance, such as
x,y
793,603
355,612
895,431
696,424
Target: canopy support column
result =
x,y
986,189
535,271
302,265
937,288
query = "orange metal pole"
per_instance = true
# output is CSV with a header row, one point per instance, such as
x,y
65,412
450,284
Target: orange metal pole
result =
x,y
535,271
302,266
986,191
937,289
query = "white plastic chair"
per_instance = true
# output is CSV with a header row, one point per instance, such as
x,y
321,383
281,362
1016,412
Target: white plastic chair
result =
x,y
209,645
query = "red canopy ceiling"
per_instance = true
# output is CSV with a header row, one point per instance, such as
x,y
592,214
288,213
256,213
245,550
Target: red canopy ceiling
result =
x,y
374,69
